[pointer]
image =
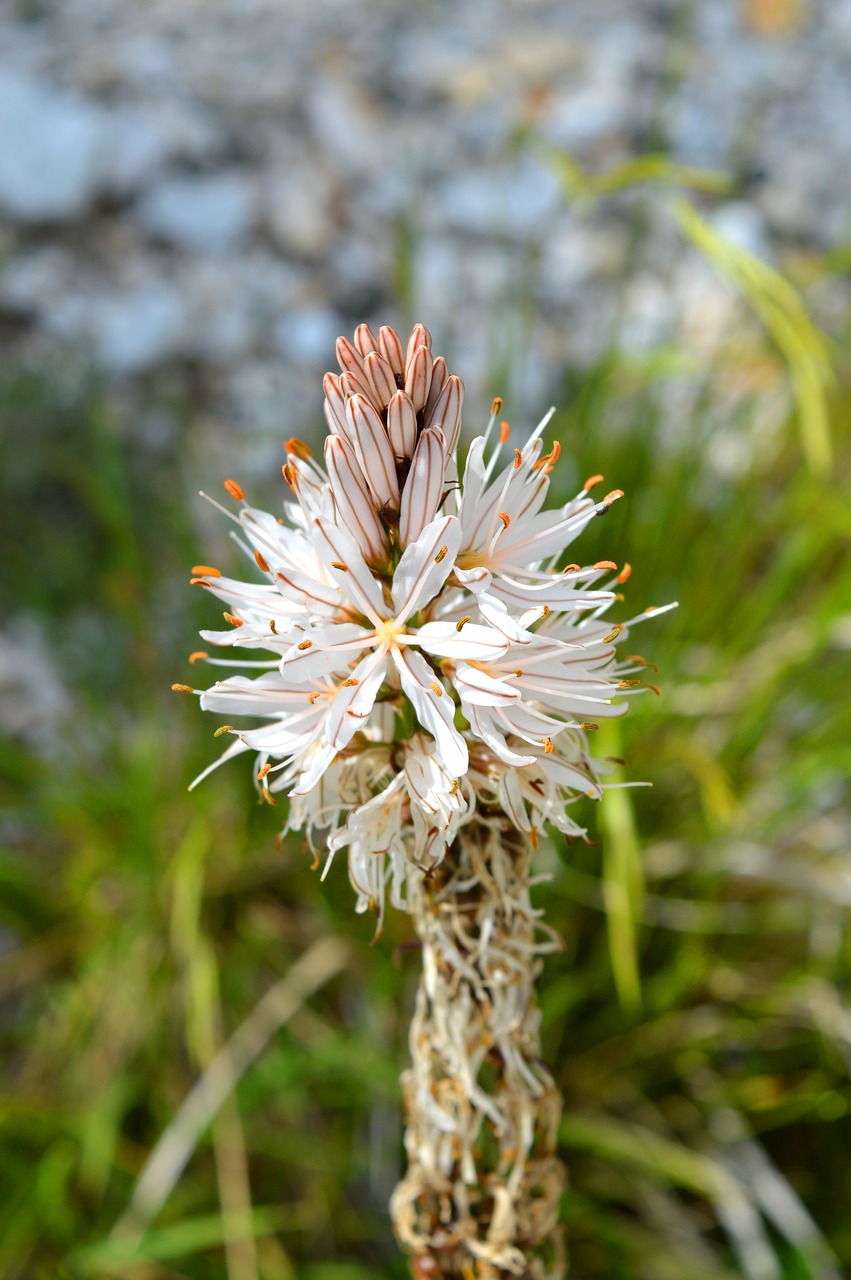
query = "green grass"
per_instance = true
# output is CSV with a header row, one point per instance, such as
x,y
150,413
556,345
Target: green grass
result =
x,y
695,1017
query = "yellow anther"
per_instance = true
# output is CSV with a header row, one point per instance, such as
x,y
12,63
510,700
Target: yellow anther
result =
x,y
614,633
437,688
233,619
548,746
198,655
349,684
311,697
338,564
628,684
462,622
262,774
589,725
183,688
518,671
223,728
305,644
441,555
272,627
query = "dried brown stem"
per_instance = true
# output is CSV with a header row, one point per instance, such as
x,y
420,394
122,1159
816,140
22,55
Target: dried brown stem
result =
x,y
480,1198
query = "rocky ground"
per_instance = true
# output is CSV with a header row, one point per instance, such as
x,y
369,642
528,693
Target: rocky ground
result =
x,y
220,187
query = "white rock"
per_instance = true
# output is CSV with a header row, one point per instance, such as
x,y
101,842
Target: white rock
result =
x,y
208,213
51,144
309,334
744,226
142,327
298,209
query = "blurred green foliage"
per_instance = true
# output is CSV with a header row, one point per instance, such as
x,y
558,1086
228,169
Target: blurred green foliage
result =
x,y
695,1016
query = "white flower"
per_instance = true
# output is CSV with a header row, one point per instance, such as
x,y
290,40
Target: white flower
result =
x,y
411,621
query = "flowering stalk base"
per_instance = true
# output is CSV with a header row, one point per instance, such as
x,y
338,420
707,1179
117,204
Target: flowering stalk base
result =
x,y
480,1198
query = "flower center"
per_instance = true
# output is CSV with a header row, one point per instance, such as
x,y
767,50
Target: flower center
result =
x,y
389,630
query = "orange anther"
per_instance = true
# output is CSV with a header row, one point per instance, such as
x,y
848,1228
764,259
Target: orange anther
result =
x,y
625,572
198,582
505,518
615,493
289,474
206,571
572,568
437,688
533,837
496,405
262,774
197,655
605,564
338,564
235,490
233,620
504,432
305,644
591,481
441,555
311,697
548,745
298,447
518,671
261,562
518,458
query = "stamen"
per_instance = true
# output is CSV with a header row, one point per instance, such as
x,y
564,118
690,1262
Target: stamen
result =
x,y
504,432
625,572
313,695
272,627
518,671
233,620
198,582
206,571
349,684
504,517
591,482
437,688
613,496
605,564
655,689
261,562
616,630
298,447
288,472
462,622
267,768
183,688
533,837
201,653
455,788
338,564
305,644
235,490
548,746
441,555
633,657
223,728
518,459
589,725
572,568
496,405
628,684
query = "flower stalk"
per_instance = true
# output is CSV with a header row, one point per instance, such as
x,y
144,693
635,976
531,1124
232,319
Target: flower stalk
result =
x,y
481,1194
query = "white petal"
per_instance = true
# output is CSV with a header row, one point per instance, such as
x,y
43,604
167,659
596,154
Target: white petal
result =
x,y
268,695
390,346
424,486
323,756
435,712
425,565
480,689
352,705
323,650
402,425
472,641
334,546
446,412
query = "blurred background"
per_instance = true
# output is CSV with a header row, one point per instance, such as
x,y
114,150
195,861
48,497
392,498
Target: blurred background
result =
x,y
636,211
